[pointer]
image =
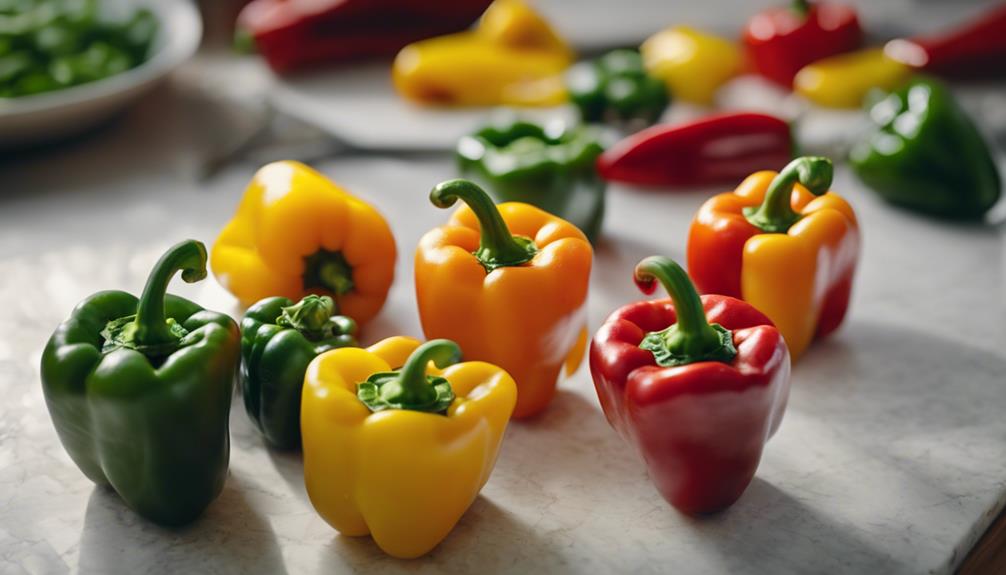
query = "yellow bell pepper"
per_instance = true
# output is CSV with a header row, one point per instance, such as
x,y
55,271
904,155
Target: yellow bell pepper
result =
x,y
843,81
296,232
401,455
512,57
692,64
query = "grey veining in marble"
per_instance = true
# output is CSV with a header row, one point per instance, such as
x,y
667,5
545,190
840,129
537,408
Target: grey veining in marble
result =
x,y
891,457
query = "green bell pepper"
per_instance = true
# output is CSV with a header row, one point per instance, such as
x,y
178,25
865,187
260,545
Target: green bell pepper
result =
x,y
278,341
140,390
925,154
616,88
550,167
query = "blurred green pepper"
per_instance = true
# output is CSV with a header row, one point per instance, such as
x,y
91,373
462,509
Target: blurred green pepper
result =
x,y
551,167
616,88
925,153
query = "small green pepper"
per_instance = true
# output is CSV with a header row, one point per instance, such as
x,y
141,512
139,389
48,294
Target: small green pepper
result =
x,y
139,391
550,167
278,341
925,154
616,88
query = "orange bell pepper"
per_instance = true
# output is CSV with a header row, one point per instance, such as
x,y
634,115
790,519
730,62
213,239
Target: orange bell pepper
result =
x,y
784,244
509,284
295,233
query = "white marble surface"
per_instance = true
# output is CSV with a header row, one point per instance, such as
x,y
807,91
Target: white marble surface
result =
x,y
891,458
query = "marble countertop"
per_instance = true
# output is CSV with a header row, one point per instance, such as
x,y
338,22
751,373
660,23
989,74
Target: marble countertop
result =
x,y
891,457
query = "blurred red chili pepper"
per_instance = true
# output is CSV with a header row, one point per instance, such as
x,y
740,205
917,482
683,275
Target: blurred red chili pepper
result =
x,y
977,49
713,150
292,34
782,40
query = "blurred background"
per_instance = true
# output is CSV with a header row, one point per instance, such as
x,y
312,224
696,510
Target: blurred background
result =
x,y
121,141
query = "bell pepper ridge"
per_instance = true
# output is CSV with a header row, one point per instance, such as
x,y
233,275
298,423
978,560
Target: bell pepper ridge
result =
x,y
775,214
497,246
410,388
692,338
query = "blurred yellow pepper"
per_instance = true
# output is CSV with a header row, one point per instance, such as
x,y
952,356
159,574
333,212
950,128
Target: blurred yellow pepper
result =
x,y
512,57
401,454
693,64
295,233
843,81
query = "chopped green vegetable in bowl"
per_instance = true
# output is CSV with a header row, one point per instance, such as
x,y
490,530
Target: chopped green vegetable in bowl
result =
x,y
48,45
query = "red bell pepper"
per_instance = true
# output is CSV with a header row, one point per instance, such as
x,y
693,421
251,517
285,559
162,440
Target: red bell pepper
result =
x,y
698,384
291,34
713,150
782,40
974,50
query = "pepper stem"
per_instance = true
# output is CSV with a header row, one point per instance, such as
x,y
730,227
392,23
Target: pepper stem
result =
x,y
801,7
311,316
497,246
410,387
151,327
692,338
775,214
329,271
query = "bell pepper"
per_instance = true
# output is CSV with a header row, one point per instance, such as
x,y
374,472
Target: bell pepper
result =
x,y
513,57
843,81
783,243
699,385
782,40
509,284
278,340
692,64
712,150
292,34
616,88
296,232
975,50
139,391
551,167
401,453
925,154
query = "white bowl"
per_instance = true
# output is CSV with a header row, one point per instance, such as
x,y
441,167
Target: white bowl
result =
x,y
33,119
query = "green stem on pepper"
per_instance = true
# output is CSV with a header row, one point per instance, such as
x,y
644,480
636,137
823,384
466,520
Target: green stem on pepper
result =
x,y
692,338
497,246
775,214
410,387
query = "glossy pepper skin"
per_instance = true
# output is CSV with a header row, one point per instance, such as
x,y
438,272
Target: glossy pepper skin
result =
x,y
139,391
784,244
509,284
512,57
296,232
617,88
975,50
691,63
401,464
782,40
551,167
925,154
279,338
843,81
293,34
698,385
712,150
